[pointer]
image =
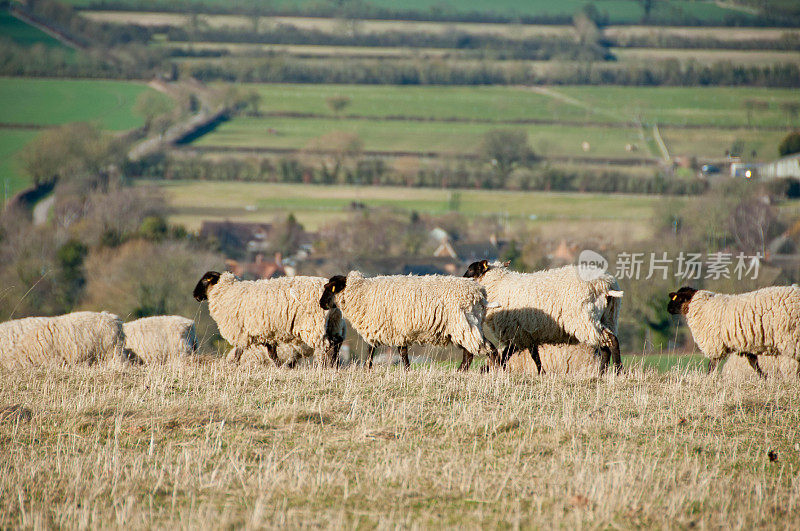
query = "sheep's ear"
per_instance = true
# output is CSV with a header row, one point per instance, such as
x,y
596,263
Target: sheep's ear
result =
x,y
506,263
485,265
673,295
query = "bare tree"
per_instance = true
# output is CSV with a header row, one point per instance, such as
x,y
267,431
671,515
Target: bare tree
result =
x,y
792,109
338,103
151,105
751,106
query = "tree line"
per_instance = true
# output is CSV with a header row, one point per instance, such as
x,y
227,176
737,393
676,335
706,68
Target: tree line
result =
x,y
282,68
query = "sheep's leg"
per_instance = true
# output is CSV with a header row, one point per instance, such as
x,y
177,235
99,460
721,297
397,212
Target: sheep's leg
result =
x,y
610,351
404,354
753,360
234,355
370,354
605,357
333,351
493,355
616,357
272,352
534,350
507,353
712,364
466,361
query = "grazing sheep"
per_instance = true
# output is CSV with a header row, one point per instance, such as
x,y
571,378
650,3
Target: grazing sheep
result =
x,y
68,339
765,321
264,313
555,306
162,338
398,311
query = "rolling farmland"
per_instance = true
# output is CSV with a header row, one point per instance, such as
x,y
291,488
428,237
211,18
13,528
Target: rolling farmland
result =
x,y
699,122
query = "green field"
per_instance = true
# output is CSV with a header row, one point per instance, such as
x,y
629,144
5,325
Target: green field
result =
x,y
45,102
713,143
619,11
12,141
24,34
416,136
625,217
54,102
713,106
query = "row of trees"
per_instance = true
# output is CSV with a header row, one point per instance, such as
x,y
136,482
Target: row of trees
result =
x,y
375,171
669,72
530,48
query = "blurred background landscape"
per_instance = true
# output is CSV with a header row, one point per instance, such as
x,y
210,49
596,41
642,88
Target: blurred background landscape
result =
x,y
145,142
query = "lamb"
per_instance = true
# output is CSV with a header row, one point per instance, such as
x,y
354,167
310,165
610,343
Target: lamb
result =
x,y
73,338
264,313
554,306
761,322
400,310
161,338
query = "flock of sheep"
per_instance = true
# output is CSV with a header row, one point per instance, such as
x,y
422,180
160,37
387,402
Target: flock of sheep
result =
x,y
519,311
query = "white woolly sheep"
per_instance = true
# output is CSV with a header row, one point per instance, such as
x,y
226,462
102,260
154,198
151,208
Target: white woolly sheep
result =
x,y
161,338
555,306
68,339
398,311
765,321
265,313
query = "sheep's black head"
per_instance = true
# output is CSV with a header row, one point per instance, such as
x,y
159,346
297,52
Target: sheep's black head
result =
x,y
477,269
679,300
335,285
201,289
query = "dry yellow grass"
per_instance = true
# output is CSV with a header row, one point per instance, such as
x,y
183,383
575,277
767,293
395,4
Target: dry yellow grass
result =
x,y
773,366
334,25
721,33
211,445
558,359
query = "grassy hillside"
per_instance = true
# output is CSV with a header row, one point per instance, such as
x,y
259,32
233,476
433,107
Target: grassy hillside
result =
x,y
436,119
24,34
182,446
712,106
415,136
317,205
12,141
58,101
46,102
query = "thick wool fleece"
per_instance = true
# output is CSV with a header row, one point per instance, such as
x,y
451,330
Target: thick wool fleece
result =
x,y
160,339
402,310
765,321
277,310
553,306
67,339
